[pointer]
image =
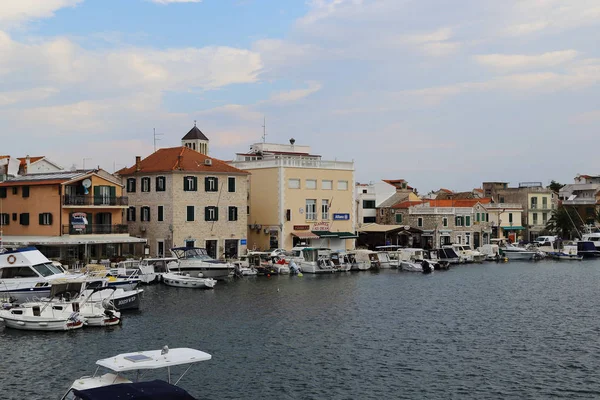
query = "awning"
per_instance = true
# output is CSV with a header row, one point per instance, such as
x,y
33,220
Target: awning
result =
x,y
305,235
69,240
513,228
335,235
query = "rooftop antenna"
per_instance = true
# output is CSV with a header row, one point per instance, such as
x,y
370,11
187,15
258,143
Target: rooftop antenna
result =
x,y
160,134
264,126
83,163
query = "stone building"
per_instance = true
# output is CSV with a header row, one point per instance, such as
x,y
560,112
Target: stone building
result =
x,y
536,200
385,210
181,197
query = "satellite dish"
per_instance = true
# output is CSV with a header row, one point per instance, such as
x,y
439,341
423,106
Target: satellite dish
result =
x,y
86,183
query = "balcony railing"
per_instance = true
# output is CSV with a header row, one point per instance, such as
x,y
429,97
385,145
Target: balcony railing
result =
x,y
94,201
295,163
94,229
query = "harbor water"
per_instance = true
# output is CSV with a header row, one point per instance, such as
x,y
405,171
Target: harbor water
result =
x,y
508,330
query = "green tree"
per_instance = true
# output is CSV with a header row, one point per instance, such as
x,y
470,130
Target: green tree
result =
x,y
555,186
564,222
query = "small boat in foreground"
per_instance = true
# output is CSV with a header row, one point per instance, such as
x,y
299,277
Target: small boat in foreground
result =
x,y
151,390
181,279
38,317
137,363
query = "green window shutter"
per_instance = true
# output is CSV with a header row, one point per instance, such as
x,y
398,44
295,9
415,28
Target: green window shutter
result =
x,y
3,193
216,185
195,188
186,186
398,218
457,221
478,217
97,198
231,184
468,220
41,219
25,191
207,184
49,219
190,213
216,213
206,213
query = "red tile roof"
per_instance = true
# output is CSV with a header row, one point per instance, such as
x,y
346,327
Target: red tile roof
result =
x,y
446,190
180,159
459,202
478,190
31,160
408,203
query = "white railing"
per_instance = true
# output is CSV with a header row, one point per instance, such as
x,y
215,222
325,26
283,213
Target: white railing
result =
x,y
502,205
582,202
295,163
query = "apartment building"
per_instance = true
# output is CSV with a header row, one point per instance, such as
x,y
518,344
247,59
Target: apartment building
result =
x,y
72,216
297,198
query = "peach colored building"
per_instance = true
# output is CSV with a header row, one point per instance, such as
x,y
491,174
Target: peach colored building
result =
x,y
73,216
298,199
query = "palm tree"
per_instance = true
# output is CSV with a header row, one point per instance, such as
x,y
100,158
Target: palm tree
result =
x,y
564,222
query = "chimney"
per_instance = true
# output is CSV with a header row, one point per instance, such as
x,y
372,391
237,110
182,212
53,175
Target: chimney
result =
x,y
27,163
179,160
138,161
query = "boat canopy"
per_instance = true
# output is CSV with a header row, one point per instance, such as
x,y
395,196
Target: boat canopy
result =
x,y
152,390
586,246
185,253
153,359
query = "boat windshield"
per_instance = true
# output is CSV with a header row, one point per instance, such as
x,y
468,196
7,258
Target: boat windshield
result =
x,y
47,269
192,254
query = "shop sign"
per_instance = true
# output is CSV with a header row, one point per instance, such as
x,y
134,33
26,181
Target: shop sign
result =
x,y
341,217
243,242
321,226
301,227
79,221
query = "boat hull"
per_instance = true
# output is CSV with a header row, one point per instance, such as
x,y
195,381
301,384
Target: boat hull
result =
x,y
40,324
23,295
188,282
520,255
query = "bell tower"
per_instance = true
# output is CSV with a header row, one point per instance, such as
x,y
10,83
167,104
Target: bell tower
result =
x,y
196,140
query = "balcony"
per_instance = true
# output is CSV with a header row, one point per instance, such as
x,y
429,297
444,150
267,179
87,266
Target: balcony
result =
x,y
580,202
95,201
95,229
542,207
295,163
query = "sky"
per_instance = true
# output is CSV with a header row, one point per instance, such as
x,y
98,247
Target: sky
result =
x,y
442,93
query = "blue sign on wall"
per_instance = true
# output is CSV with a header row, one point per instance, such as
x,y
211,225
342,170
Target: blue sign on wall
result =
x,y
341,217
242,242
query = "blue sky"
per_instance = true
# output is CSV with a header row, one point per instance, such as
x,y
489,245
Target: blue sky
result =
x,y
442,93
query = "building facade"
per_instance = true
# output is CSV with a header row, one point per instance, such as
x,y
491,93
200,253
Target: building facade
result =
x,y
536,200
181,197
386,214
583,195
296,198
368,197
72,216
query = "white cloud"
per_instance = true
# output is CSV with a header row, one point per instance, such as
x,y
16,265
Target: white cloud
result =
x,y
506,62
18,96
296,94
18,11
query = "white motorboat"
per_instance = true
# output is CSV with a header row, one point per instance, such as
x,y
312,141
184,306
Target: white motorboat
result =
x,y
316,261
513,252
42,317
568,252
340,261
411,259
491,252
593,237
356,265
151,270
366,259
157,389
184,280
194,261
26,274
112,298
242,267
384,259
136,363
446,255
466,254
70,296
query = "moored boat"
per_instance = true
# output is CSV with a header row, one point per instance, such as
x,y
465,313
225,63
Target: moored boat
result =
x,y
41,317
195,260
183,280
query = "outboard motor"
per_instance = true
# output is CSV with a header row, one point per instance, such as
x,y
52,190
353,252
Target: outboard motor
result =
x,y
427,268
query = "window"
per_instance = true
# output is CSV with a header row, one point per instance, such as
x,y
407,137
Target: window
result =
x,y
510,218
45,219
232,213
311,209
369,220
364,191
145,214
534,202
4,219
191,212
501,199
458,239
478,216
231,184
468,238
24,219
468,220
445,221
487,217
190,184
327,185
211,184
131,185
420,221
14,216
311,184
398,218
544,218
381,212
544,203
458,221
161,183
342,185
2,193
288,215
535,218
368,204
15,190
211,213
325,210
131,214
294,183
145,184
161,214
25,191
